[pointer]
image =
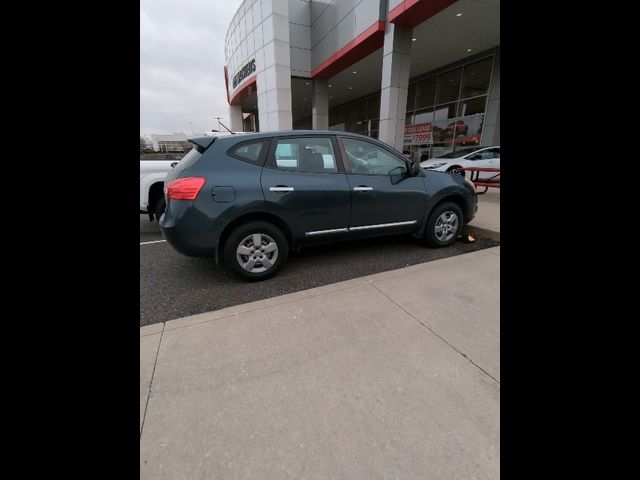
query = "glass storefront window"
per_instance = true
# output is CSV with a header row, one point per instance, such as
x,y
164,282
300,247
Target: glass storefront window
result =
x,y
426,93
477,77
303,124
441,149
361,110
408,120
373,107
423,116
449,86
356,114
411,97
337,116
443,131
468,131
456,122
359,116
444,112
361,127
473,106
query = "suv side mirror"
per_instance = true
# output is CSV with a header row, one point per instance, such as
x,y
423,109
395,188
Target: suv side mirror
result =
x,y
413,168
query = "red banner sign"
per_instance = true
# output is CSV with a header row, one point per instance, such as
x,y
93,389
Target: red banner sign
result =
x,y
418,134
420,128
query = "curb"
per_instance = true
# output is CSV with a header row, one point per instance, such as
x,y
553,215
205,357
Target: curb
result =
x,y
287,298
484,232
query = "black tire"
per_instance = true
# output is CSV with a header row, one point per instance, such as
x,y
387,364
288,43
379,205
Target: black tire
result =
x,y
443,237
161,205
269,234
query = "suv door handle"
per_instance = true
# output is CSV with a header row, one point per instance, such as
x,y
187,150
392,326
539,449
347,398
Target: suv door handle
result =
x,y
362,188
281,189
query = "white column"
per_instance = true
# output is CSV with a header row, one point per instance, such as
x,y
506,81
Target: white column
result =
x,y
396,64
491,127
235,118
320,104
273,67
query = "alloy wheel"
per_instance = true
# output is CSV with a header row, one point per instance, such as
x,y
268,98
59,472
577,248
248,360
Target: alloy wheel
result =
x,y
257,253
446,226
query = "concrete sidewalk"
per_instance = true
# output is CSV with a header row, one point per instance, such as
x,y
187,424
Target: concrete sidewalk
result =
x,y
487,221
393,375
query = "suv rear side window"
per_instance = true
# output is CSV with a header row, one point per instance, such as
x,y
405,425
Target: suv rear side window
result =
x,y
249,152
305,155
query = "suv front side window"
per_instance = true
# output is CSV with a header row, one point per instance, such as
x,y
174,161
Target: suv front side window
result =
x,y
366,158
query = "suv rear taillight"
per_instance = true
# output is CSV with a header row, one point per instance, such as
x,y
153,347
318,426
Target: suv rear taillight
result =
x,y
184,188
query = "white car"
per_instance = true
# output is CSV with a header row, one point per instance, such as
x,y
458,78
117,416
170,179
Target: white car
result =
x,y
486,157
152,174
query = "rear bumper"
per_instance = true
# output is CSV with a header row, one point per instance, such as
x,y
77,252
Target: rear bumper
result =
x,y
188,230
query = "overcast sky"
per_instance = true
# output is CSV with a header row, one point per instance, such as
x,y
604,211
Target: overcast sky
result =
x,y
182,64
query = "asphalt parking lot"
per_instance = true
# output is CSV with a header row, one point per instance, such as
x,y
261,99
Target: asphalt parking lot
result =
x,y
173,285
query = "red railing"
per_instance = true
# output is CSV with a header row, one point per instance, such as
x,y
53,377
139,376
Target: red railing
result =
x,y
493,181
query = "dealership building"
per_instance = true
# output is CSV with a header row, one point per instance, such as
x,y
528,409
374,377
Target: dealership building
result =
x,y
421,75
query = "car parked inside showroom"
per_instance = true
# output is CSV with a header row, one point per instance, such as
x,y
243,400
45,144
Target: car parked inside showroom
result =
x,y
485,157
248,200
459,128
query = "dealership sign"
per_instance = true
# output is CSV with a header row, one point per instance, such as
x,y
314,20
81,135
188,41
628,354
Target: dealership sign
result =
x,y
244,72
418,134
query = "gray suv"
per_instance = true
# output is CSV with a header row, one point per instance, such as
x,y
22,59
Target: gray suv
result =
x,y
250,199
